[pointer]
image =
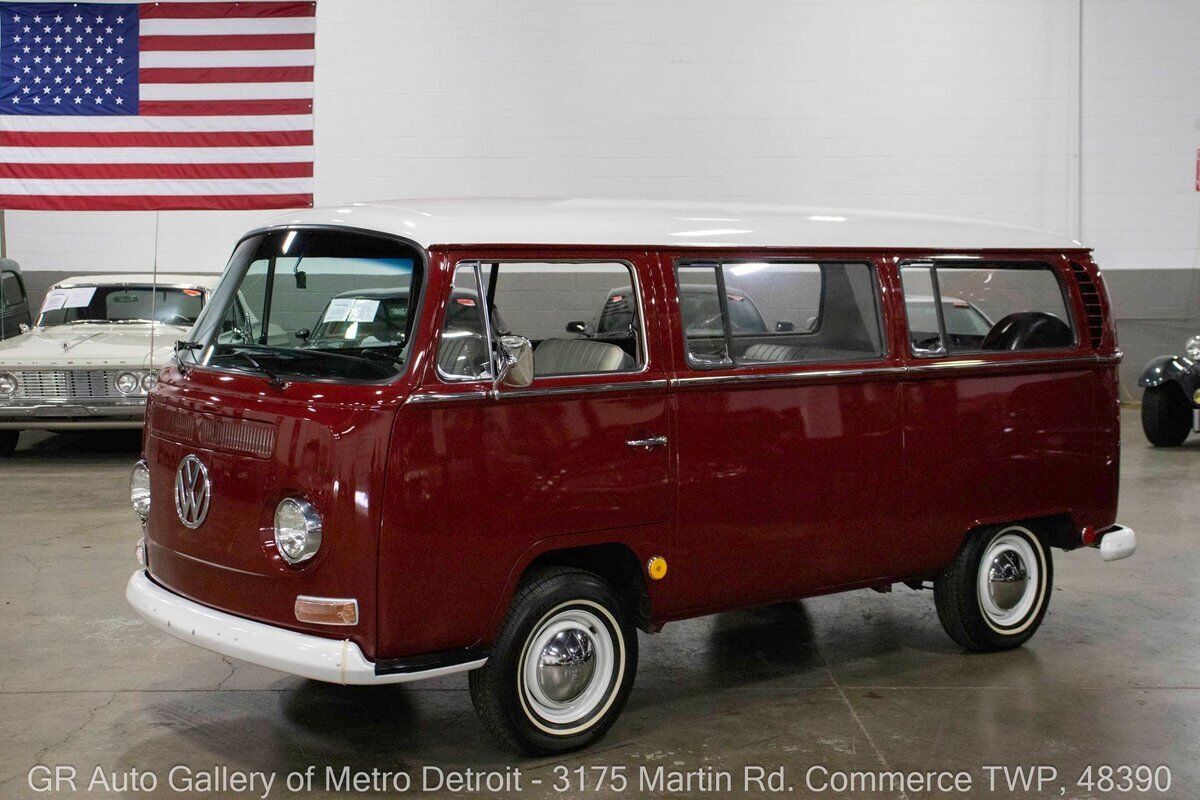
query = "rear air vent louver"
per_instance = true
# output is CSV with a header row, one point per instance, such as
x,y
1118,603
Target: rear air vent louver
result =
x,y
1092,307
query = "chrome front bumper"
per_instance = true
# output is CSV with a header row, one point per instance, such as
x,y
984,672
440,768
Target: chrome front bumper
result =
x,y
316,657
67,415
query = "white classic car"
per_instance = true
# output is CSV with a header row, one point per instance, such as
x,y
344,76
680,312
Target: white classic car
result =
x,y
87,361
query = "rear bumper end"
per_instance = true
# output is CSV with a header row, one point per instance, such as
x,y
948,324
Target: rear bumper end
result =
x,y
1116,543
316,657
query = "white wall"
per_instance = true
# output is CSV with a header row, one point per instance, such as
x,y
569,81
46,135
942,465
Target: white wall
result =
x,y
1141,131
950,106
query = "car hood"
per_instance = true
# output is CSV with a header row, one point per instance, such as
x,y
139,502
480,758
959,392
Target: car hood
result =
x,y
91,345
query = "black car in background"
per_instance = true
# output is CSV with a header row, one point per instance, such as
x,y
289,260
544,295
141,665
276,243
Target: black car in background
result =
x,y
1171,396
14,301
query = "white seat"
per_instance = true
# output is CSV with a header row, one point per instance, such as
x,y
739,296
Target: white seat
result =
x,y
567,356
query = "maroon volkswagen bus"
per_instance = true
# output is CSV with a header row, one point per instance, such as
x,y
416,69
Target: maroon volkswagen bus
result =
x,y
502,437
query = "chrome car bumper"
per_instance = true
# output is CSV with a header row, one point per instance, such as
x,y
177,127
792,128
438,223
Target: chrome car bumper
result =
x,y
66,415
1117,542
316,657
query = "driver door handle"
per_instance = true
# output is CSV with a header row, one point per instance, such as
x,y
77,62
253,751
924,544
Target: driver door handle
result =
x,y
653,441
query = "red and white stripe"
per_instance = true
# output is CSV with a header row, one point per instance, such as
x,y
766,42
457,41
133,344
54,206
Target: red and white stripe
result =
x,y
224,120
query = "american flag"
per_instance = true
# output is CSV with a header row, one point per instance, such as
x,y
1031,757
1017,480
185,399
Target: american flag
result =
x,y
172,105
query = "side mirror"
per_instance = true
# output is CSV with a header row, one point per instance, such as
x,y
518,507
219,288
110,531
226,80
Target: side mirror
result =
x,y
784,326
577,326
515,367
24,328
301,279
303,333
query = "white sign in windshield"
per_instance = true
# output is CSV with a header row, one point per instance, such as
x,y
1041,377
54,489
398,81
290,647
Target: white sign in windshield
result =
x,y
349,309
79,296
54,300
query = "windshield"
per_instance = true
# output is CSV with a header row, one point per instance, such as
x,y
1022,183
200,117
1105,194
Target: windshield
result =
x,y
312,303
702,313
962,318
82,304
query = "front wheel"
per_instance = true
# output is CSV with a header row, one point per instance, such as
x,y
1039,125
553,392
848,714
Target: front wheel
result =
x,y
994,594
8,442
1166,415
562,666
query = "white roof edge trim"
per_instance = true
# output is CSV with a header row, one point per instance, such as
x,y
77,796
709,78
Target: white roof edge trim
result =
x,y
429,222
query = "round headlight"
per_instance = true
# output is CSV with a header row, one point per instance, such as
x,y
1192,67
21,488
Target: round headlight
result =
x,y
297,530
1193,351
127,383
139,489
148,381
8,384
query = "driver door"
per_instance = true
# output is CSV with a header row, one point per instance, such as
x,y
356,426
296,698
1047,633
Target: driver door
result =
x,y
500,475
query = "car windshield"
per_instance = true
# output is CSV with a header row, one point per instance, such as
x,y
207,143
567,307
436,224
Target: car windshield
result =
x,y
312,303
702,313
962,318
173,305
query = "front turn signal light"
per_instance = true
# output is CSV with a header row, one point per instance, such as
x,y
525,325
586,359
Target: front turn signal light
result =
x,y
327,610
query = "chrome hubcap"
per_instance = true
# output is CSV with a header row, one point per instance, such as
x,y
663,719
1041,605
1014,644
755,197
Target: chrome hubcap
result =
x,y
571,667
566,665
1007,580
1010,580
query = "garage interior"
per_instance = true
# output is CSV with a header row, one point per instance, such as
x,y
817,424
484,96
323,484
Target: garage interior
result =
x,y
1076,116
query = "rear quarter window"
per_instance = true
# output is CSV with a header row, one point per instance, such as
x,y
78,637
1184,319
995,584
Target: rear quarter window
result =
x,y
973,307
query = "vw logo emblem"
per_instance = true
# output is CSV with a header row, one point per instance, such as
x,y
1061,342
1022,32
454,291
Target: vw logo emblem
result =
x,y
192,491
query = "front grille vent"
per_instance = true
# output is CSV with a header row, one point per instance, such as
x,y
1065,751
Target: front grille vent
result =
x,y
215,431
1093,308
68,384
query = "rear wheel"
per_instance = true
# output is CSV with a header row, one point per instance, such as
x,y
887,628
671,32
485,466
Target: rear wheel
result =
x,y
1166,415
994,594
562,666
8,442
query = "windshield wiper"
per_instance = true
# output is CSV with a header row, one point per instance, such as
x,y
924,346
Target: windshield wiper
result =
x,y
272,378
308,351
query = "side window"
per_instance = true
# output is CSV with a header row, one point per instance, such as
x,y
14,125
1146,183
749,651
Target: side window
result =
x,y
972,307
464,349
769,312
581,318
11,294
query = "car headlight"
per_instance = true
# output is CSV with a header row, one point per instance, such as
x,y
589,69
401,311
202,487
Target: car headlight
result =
x,y
127,383
148,381
139,489
297,529
1193,351
8,384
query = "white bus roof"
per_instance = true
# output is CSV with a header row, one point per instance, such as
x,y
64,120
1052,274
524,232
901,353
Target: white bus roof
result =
x,y
667,223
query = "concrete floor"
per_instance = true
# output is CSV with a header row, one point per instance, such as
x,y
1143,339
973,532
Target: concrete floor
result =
x,y
860,681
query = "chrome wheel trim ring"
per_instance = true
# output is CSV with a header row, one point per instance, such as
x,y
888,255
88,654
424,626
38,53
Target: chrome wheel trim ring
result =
x,y
564,718
1014,547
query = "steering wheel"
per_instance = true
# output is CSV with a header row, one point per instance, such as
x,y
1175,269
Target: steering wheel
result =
x,y
1028,330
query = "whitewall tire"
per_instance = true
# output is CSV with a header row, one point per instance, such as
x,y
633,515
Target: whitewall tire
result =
x,y
562,666
995,593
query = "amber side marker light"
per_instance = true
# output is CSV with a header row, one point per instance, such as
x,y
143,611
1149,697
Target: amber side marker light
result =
x,y
657,568
327,610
